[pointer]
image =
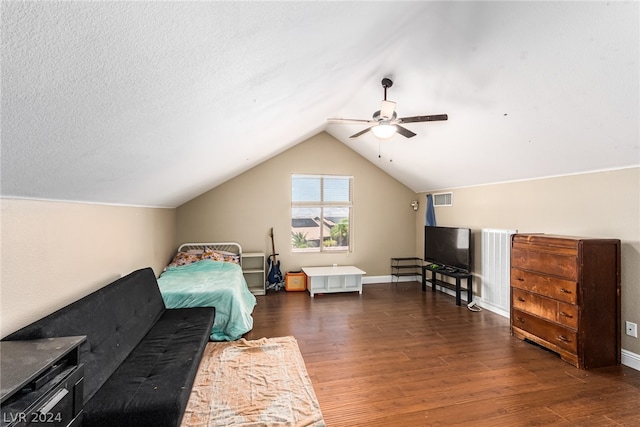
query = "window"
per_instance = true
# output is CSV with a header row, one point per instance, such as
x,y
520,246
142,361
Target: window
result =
x,y
321,213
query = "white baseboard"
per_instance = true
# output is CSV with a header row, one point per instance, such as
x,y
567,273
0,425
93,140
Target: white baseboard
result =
x,y
389,279
630,359
494,309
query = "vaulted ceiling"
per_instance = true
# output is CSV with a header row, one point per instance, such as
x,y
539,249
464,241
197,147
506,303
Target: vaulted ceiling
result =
x,y
153,103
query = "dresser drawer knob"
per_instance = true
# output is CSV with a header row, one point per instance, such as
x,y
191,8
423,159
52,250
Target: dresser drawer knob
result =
x,y
563,338
565,291
520,319
520,299
563,314
520,279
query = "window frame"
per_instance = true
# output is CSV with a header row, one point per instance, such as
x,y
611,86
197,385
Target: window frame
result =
x,y
322,205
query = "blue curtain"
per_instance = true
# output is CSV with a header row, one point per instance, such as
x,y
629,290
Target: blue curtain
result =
x,y
431,213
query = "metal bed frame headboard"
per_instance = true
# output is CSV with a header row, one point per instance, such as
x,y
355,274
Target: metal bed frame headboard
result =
x,y
232,247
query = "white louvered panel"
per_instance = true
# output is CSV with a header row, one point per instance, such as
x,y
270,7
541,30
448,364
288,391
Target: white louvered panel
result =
x,y
443,199
496,266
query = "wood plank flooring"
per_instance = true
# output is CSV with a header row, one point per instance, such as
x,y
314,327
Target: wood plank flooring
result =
x,y
397,356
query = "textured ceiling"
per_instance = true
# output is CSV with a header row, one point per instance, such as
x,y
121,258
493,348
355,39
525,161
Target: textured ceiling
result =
x,y
153,103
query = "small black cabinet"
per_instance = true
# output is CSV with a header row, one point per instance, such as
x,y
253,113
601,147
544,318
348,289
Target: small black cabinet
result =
x,y
42,382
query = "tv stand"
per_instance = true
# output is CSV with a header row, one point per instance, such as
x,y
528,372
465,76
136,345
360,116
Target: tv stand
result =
x,y
449,272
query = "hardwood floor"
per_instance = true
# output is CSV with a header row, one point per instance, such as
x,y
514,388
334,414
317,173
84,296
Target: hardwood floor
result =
x,y
396,356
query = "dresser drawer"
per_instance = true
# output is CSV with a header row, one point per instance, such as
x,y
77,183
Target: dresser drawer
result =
x,y
560,265
547,308
561,337
548,286
534,304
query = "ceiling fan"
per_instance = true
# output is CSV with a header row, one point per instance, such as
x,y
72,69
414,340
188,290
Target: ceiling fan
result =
x,y
385,122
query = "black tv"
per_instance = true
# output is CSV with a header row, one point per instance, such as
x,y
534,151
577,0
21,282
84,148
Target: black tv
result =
x,y
448,247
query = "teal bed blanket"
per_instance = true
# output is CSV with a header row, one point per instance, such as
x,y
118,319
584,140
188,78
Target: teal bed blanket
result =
x,y
209,283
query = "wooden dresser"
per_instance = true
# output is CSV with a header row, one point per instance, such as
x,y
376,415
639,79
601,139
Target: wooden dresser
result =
x,y
565,296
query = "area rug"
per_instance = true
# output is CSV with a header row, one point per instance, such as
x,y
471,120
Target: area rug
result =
x,y
253,383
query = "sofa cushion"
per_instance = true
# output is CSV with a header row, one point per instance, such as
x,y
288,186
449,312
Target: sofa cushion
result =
x,y
114,319
152,386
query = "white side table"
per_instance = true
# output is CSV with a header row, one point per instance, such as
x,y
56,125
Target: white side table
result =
x,y
324,280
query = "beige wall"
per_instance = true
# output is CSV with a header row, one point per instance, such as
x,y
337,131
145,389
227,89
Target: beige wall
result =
x,y
54,252
246,207
603,204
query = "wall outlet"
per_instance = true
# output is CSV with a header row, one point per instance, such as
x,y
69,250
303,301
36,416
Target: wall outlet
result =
x,y
631,329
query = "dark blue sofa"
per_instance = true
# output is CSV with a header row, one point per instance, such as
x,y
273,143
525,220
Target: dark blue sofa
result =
x,y
140,359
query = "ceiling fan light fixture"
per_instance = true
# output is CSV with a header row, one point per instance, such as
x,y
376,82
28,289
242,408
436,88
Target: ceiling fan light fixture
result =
x,y
385,122
384,130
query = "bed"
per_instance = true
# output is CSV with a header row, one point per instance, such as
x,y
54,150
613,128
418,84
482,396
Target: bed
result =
x,y
210,275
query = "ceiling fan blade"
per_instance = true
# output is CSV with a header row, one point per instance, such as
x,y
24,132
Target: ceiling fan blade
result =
x,y
405,132
387,109
432,118
351,121
362,132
